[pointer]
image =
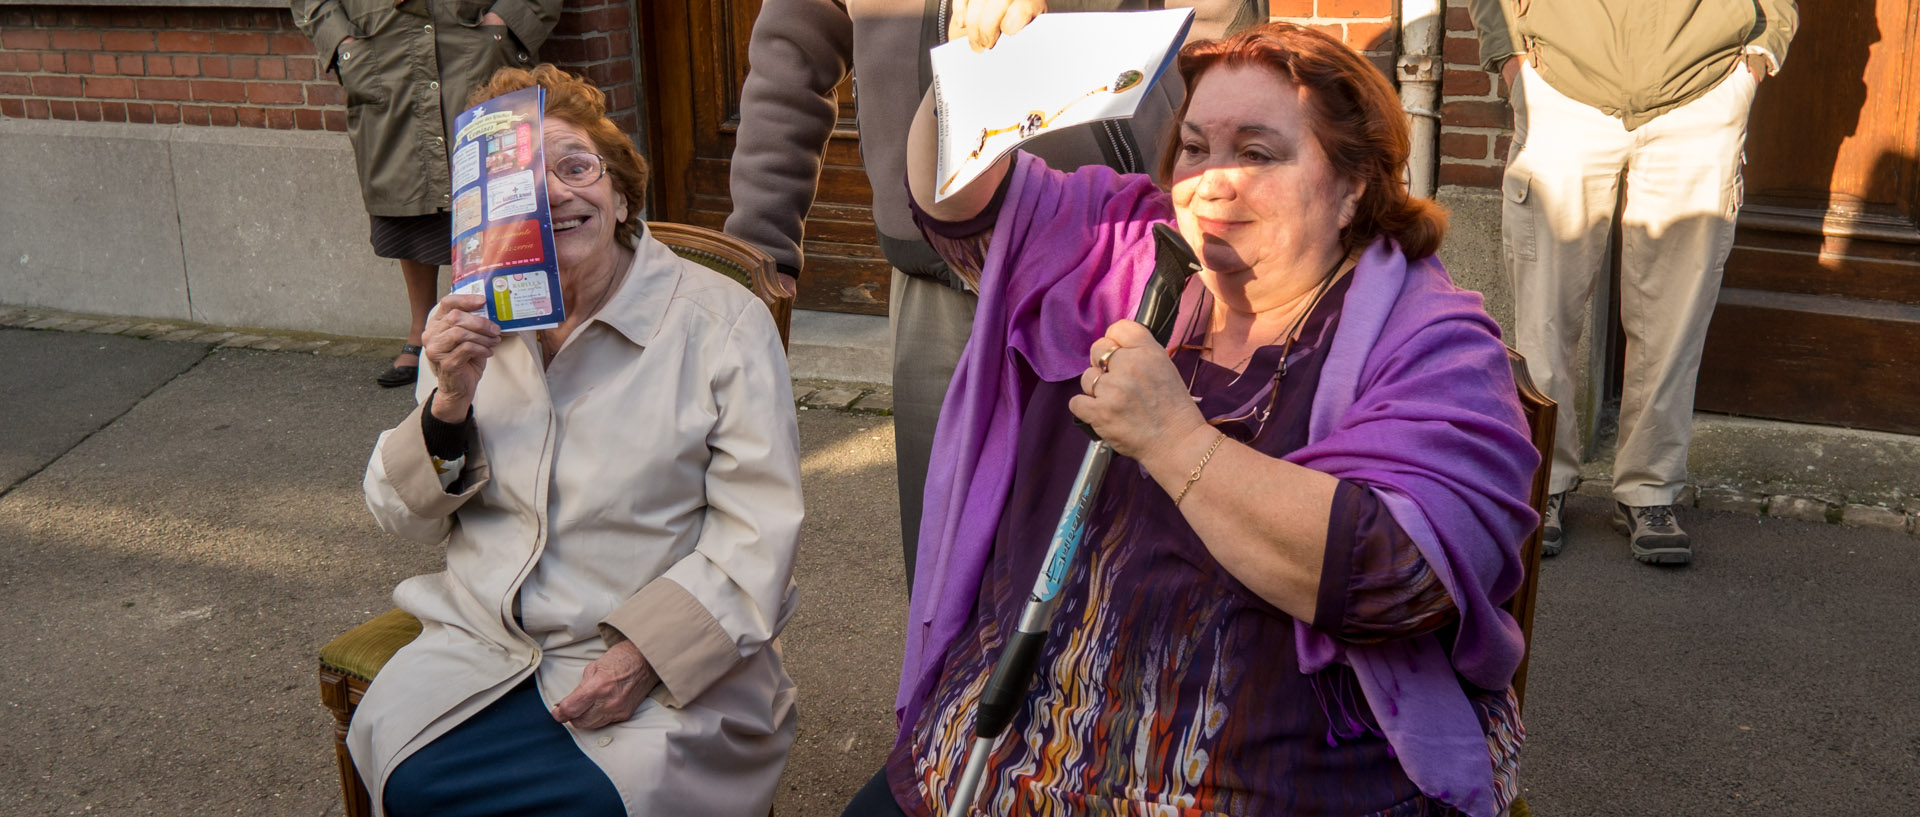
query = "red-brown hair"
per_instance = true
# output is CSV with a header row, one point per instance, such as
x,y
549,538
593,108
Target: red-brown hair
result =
x,y
571,99
1353,114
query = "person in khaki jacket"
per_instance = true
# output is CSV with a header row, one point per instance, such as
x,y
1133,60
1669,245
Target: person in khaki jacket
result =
x,y
619,501
1655,93
407,69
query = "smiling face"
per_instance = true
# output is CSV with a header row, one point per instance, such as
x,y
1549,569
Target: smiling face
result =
x,y
1252,189
584,218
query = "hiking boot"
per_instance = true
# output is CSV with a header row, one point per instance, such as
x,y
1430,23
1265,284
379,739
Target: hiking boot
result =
x,y
1655,537
1550,532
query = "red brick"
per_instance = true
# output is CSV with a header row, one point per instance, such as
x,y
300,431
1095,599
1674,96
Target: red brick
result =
x,y
109,88
175,89
53,63
289,44
166,113
105,64
622,45
271,67
222,115
564,52
193,115
251,117
1502,146
140,112
325,93
1472,113
27,62
336,120
152,19
185,18
9,61
127,41
76,40
193,42
1461,50
240,43
1466,83
309,119
22,18
161,66
13,108
61,108
275,93
1371,36
215,67
44,85
132,65
1460,19
113,111
206,90
1355,8
302,68
598,48
1463,145
16,85
243,67
280,118
86,111
605,74
1470,175
25,40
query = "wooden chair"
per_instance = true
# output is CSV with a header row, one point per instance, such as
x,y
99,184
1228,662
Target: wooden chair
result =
x,y
1542,414
349,663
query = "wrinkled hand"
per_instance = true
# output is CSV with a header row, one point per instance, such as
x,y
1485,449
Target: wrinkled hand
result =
x,y
1139,401
982,22
491,19
610,690
458,340
1510,70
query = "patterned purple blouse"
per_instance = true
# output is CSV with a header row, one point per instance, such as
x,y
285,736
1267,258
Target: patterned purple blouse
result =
x,y
1167,687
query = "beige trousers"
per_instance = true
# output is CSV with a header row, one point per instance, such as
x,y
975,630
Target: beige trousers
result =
x,y
1683,192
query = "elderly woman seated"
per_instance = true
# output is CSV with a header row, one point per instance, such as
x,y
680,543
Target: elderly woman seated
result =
x,y
620,500
1287,603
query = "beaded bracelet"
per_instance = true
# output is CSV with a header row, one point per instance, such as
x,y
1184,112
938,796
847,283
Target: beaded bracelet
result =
x,y
1194,476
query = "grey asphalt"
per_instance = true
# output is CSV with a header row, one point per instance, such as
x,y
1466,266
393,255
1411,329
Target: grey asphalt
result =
x,y
181,528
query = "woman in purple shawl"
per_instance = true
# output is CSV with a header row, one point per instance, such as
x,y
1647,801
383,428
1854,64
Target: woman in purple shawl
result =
x,y
1288,599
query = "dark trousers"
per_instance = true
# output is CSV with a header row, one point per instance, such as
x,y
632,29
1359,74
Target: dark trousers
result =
x,y
511,758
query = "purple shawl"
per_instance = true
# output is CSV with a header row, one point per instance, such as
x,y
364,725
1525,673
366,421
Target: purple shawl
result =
x,y
1416,402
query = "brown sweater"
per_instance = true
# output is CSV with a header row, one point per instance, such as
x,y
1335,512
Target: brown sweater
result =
x,y
801,49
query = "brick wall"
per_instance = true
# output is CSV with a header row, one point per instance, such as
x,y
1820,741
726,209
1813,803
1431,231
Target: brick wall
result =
x,y
1366,25
232,67
1474,118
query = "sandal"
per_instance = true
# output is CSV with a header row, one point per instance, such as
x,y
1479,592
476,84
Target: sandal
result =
x,y
401,375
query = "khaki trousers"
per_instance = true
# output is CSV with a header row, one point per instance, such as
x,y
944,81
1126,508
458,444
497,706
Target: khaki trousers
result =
x,y
930,323
1683,193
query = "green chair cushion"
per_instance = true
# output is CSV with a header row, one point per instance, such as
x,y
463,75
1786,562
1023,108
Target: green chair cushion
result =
x,y
717,264
363,650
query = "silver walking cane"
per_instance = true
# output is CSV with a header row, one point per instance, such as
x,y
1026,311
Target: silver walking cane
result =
x,y
1174,262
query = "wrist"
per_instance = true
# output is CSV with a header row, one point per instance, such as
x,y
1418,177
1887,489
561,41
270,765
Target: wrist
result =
x,y
449,409
1171,462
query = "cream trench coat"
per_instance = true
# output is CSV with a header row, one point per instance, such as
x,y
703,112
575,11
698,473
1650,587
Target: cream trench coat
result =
x,y
646,486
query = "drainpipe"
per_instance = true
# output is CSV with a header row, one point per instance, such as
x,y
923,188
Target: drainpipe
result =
x,y
1422,23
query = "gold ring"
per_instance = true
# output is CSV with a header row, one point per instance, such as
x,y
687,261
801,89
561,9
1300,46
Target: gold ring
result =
x,y
1095,384
1105,355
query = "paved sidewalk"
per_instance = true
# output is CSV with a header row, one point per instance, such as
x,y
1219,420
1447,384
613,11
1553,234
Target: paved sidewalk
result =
x,y
181,527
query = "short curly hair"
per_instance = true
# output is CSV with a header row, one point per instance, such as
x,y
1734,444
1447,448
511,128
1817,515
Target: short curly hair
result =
x,y
571,99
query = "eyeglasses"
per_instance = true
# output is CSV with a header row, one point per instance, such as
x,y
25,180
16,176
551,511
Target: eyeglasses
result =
x,y
578,169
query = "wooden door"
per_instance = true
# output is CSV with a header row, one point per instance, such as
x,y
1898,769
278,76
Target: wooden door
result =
x,y
1819,317
695,64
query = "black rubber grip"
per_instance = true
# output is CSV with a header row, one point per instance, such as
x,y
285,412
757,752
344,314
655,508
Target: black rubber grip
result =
x,y
1007,687
1173,263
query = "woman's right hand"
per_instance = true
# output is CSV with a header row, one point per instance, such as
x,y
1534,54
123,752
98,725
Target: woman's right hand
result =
x,y
458,340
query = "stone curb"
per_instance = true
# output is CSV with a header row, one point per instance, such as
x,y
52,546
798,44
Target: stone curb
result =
x,y
809,395
1733,498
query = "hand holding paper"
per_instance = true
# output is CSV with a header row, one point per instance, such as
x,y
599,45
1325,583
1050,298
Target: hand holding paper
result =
x,y
1061,70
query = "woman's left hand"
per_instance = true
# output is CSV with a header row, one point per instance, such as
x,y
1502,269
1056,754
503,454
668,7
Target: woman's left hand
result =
x,y
1134,398
610,690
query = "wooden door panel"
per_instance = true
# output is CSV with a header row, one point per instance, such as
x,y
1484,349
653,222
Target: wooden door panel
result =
x,y
696,64
1819,314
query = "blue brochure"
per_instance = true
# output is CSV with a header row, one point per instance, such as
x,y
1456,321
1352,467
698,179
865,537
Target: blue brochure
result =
x,y
502,232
